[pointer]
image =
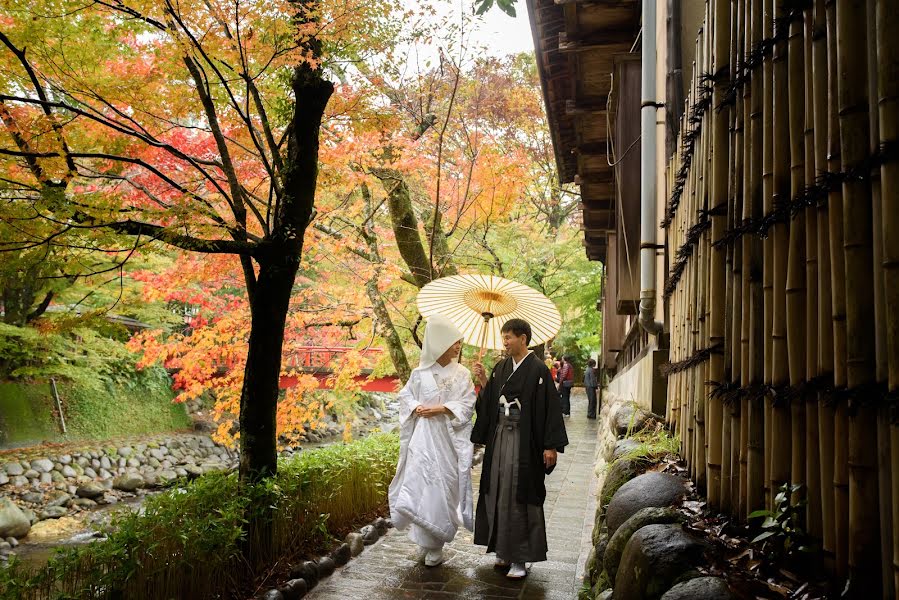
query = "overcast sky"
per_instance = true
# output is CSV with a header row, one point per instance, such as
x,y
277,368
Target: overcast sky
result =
x,y
505,35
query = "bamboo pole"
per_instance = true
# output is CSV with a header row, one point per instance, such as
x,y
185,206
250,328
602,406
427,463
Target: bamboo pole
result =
x,y
738,456
814,524
821,77
718,201
838,305
796,264
780,414
768,243
755,407
864,563
744,191
887,24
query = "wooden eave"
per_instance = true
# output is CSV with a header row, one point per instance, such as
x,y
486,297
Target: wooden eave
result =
x,y
576,42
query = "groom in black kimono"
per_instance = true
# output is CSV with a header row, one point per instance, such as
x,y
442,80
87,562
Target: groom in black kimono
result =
x,y
519,419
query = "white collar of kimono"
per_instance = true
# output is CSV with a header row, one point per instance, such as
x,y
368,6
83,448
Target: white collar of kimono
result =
x,y
440,334
515,365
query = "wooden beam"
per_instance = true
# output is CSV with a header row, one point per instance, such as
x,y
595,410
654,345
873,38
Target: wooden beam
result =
x,y
578,107
616,40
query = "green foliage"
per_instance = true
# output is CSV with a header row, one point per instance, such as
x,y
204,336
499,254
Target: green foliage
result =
x,y
782,534
507,6
187,543
101,391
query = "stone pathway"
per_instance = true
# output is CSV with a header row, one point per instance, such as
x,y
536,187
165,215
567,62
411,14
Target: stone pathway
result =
x,y
389,570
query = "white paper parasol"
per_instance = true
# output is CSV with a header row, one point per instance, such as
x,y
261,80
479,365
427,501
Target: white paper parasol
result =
x,y
479,305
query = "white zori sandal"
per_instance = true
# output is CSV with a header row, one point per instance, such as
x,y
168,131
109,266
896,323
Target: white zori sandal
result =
x,y
517,571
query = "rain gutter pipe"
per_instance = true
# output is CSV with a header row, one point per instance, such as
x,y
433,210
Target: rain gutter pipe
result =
x,y
648,217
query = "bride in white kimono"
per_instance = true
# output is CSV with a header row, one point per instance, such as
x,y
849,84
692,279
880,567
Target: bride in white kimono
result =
x,y
431,492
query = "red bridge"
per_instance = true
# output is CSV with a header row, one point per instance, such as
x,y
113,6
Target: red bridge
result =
x,y
320,360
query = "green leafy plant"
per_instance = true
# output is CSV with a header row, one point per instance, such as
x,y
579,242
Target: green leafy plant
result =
x,y
186,542
782,533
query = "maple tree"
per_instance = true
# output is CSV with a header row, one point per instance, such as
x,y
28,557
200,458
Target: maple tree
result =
x,y
194,124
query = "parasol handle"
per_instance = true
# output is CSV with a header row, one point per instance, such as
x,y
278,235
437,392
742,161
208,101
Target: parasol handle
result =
x,y
487,316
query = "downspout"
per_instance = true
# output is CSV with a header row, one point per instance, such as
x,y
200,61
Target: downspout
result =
x,y
648,216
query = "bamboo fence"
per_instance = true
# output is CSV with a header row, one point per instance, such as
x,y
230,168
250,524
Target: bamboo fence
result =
x,y
783,291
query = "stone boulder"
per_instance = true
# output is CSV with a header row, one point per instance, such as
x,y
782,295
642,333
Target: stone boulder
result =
x,y
369,535
53,512
354,541
650,489
14,522
306,570
129,482
58,498
272,595
642,518
624,446
382,525
630,418
326,566
90,490
655,558
13,469
294,589
701,588
42,465
342,554
620,472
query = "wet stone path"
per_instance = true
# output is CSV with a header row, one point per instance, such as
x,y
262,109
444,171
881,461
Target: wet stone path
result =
x,y
391,568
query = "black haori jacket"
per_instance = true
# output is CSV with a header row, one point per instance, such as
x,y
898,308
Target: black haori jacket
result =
x,y
541,425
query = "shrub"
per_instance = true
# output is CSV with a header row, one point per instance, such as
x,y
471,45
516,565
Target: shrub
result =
x,y
190,542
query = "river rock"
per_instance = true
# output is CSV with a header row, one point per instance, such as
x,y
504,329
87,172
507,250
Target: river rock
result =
x,y
105,464
13,520
700,588
132,463
369,535
630,418
89,472
326,566
57,477
342,554
4,478
640,519
32,474
20,481
294,589
42,465
655,557
33,497
65,459
624,446
58,498
157,454
90,490
621,471
13,469
354,541
154,462
53,512
5,547
125,451
84,503
13,542
272,595
46,477
68,471
382,525
307,570
128,483
166,476
650,489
